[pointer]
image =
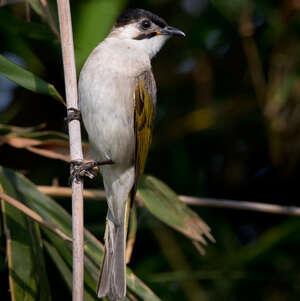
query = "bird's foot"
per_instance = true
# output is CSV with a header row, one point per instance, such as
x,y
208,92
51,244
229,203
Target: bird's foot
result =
x,y
73,114
81,169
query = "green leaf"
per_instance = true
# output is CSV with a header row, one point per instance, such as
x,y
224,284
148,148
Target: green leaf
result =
x,y
55,214
139,288
47,13
282,91
31,132
12,25
62,257
27,271
27,79
133,224
6,129
37,6
92,22
267,241
163,203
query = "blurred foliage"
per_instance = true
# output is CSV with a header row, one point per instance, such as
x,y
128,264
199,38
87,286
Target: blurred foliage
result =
x,y
227,126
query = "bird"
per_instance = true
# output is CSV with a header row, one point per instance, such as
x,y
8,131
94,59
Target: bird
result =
x,y
117,100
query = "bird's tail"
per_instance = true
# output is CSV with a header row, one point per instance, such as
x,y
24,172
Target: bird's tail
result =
x,y
112,279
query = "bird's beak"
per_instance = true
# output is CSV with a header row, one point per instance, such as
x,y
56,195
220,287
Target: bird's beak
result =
x,y
169,30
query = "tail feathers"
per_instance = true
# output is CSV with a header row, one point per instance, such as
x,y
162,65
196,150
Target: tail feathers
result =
x,y
112,281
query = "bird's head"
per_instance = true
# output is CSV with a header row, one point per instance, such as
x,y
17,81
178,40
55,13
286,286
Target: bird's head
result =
x,y
146,30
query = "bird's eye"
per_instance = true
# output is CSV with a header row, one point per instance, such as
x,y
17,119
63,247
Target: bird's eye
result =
x,y
146,24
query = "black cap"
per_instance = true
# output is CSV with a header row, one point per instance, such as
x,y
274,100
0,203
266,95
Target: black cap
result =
x,y
132,15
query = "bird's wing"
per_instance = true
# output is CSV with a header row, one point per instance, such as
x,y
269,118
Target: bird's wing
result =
x,y
144,112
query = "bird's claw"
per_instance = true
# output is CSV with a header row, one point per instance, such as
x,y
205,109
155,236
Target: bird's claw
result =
x,y
73,114
81,169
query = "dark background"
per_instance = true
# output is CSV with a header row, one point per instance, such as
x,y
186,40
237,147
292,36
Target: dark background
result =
x,y
227,126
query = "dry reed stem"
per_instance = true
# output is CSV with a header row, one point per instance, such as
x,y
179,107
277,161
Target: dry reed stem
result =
x,y
189,200
34,216
66,35
241,205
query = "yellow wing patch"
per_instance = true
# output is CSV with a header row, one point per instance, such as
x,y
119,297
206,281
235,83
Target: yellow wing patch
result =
x,y
143,124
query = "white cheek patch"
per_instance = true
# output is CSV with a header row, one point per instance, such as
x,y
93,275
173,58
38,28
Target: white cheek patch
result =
x,y
153,45
129,32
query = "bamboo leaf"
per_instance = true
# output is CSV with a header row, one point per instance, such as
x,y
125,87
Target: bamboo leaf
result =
x,y
37,7
27,270
6,129
31,132
267,241
42,8
65,268
139,288
133,223
50,148
33,215
62,256
27,79
163,203
50,144
53,213
12,25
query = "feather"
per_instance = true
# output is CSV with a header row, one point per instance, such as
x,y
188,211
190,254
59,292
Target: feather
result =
x,y
112,281
144,113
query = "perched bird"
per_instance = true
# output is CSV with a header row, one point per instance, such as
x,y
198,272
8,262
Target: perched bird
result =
x,y
117,97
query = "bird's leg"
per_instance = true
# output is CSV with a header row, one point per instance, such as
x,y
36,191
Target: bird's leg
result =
x,y
81,169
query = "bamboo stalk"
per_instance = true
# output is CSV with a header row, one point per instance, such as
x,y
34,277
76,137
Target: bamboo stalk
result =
x,y
189,200
66,35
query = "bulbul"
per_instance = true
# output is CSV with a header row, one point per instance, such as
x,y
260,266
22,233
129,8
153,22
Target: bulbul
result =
x,y
117,97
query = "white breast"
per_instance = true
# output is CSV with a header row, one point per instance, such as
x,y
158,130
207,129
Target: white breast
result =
x,y
106,87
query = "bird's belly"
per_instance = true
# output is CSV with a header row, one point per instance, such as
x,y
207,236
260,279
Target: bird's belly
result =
x,y
111,135
107,113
